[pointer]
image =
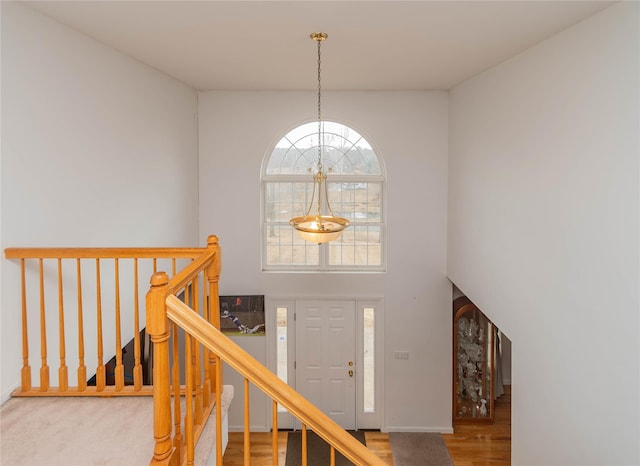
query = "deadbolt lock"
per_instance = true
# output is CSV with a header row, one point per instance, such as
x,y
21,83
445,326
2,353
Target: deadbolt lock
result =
x,y
351,363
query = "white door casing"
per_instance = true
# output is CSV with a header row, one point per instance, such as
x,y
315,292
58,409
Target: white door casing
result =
x,y
282,354
326,357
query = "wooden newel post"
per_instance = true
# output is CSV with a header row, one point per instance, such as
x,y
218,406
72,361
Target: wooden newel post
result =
x,y
158,329
213,276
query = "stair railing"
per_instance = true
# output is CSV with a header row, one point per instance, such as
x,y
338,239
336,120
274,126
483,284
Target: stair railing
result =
x,y
64,288
165,310
185,306
44,280
196,288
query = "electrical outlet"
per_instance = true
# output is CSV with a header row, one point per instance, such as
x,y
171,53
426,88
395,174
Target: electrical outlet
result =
x,y
401,355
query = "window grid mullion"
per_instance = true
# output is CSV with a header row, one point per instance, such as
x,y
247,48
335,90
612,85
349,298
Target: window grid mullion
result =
x,y
287,193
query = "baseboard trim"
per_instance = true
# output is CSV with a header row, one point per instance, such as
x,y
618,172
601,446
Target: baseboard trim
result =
x,y
435,430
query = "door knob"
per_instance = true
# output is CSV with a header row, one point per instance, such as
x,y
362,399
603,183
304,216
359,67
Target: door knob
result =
x,y
350,373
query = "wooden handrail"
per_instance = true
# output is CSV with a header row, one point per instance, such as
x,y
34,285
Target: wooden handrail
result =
x,y
186,275
269,383
102,253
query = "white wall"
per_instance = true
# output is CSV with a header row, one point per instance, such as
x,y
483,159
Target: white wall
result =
x,y
97,150
543,234
409,131
2,390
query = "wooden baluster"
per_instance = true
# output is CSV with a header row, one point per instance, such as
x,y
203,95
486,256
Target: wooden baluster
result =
x,y
206,386
304,445
163,452
215,364
100,370
213,276
82,370
187,295
332,456
175,374
247,424
155,265
190,362
218,388
26,368
197,376
137,366
178,439
119,370
188,421
274,433
44,368
63,374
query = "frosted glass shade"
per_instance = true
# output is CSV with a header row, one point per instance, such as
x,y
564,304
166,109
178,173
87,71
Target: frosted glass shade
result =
x,y
319,229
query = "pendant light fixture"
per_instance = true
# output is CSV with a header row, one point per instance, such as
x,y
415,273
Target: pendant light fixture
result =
x,y
322,225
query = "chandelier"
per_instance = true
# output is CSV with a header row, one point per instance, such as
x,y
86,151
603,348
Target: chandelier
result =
x,y
321,225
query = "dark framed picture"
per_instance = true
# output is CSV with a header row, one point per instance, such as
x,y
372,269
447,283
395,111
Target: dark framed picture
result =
x,y
242,315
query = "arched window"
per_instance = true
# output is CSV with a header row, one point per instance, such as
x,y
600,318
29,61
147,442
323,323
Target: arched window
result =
x,y
355,184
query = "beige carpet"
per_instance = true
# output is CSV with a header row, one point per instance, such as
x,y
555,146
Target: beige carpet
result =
x,y
76,431
419,449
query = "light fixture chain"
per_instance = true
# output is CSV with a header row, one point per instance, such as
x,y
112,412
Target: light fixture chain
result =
x,y
319,228
319,109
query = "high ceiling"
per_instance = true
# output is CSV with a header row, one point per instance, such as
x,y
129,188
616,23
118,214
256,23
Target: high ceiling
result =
x,y
372,45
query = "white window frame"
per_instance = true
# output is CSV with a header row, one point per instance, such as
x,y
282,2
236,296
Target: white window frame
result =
x,y
323,265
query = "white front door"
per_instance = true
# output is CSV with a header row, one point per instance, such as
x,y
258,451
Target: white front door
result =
x,y
326,357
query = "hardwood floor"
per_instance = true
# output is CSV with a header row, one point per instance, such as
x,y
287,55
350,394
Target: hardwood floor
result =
x,y
377,442
260,449
469,445
482,444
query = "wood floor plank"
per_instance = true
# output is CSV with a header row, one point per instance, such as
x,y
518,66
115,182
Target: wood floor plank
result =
x,y
261,454
476,444
378,443
469,445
